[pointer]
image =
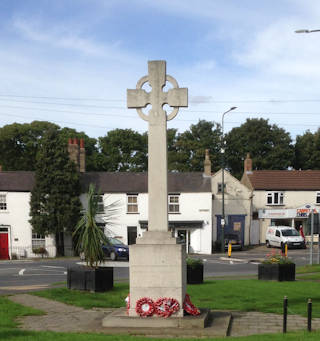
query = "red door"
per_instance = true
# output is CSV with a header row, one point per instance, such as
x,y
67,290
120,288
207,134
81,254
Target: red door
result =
x,y
4,246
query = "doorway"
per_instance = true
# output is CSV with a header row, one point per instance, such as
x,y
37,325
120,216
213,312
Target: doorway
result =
x,y
132,234
4,243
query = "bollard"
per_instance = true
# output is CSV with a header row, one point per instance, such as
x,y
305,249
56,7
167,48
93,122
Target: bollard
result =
x,y
309,314
285,313
286,250
229,250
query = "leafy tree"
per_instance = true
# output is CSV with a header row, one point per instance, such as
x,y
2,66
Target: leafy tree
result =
x,y
19,144
89,237
270,147
191,146
307,151
55,203
123,150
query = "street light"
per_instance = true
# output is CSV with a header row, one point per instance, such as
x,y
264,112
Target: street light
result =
x,y
223,222
306,31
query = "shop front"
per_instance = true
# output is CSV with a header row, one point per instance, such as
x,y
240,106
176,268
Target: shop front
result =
x,y
294,217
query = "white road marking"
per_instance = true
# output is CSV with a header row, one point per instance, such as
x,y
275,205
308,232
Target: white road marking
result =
x,y
54,267
21,272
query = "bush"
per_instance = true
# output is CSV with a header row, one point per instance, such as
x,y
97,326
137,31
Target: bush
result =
x,y
40,251
194,263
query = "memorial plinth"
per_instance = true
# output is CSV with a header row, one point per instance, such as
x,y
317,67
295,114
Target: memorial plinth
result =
x,y
157,262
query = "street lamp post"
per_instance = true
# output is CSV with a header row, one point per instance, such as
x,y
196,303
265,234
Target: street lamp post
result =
x,y
223,222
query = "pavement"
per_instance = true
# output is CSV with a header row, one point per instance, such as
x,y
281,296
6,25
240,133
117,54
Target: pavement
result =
x,y
61,317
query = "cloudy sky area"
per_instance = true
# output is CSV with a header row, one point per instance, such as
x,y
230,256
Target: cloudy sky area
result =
x,y
71,61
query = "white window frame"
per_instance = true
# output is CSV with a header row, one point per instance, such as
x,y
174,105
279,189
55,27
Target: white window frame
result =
x,y
318,198
38,241
275,198
3,202
174,203
132,203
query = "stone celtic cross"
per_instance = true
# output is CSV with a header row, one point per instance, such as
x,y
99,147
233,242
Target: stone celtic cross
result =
x,y
157,135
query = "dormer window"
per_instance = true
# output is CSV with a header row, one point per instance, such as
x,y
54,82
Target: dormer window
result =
x,y
275,198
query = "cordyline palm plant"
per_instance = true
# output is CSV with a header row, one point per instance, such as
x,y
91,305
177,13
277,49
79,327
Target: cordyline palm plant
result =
x,y
90,237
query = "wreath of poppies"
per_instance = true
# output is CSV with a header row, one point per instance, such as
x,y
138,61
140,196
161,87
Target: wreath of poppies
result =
x,y
145,307
165,306
189,307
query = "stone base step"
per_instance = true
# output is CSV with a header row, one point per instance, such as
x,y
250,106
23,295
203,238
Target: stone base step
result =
x,y
206,324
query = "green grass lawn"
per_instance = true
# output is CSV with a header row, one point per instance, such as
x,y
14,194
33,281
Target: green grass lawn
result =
x,y
230,294
243,295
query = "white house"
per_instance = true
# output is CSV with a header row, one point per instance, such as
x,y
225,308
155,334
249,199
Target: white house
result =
x,y
16,237
282,197
189,206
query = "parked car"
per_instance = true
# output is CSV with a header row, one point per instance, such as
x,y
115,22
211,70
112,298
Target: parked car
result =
x,y
234,239
280,235
116,249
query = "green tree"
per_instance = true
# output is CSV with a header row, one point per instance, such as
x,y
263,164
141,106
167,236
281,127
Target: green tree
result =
x,y
19,144
270,147
55,203
191,146
123,150
307,151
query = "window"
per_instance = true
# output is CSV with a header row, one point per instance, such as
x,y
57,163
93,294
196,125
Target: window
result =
x,y
173,203
277,233
3,202
275,198
132,203
318,198
220,187
38,240
100,207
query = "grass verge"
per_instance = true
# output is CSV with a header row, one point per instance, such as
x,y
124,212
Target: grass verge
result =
x,y
242,295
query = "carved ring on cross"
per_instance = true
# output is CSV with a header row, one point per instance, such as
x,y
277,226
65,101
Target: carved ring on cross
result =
x,y
169,79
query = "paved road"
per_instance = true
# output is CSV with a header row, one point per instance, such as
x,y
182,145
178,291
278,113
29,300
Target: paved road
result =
x,y
16,276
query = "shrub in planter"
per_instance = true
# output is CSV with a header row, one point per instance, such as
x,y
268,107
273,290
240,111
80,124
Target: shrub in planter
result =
x,y
89,240
194,271
277,267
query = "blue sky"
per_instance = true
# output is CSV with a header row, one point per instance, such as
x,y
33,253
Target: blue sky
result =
x,y
71,61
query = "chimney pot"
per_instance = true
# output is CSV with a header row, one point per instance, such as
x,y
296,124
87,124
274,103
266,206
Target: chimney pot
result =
x,y
81,143
248,164
207,163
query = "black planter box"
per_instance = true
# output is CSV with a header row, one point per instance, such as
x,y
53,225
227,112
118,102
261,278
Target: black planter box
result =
x,y
277,272
90,279
195,275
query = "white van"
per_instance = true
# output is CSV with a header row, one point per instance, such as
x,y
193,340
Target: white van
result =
x,y
281,235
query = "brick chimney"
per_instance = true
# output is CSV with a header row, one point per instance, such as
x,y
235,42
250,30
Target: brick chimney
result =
x,y
73,150
207,164
248,164
82,157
